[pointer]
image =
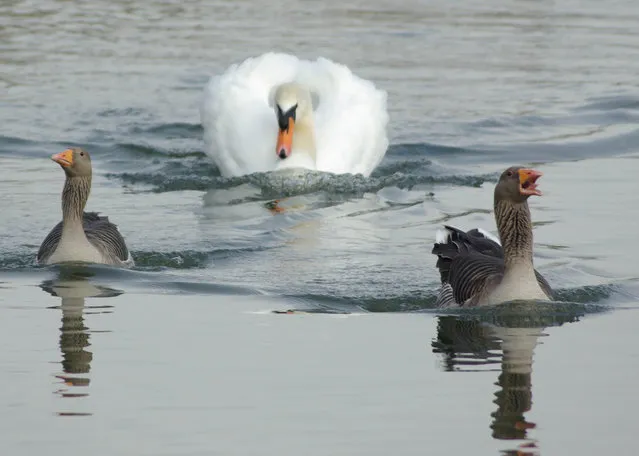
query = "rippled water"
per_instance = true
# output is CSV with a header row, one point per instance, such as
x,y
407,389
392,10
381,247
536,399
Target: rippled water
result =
x,y
184,354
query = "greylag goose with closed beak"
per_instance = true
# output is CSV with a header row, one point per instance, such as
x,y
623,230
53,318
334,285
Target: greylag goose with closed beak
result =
x,y
475,269
81,236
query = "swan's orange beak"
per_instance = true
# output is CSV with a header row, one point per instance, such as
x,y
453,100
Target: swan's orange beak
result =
x,y
286,123
528,182
64,159
285,140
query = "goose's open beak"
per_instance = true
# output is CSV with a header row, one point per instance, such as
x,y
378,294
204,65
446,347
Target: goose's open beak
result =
x,y
64,159
528,182
286,122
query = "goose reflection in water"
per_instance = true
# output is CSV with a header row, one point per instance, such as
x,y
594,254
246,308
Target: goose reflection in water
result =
x,y
505,344
72,285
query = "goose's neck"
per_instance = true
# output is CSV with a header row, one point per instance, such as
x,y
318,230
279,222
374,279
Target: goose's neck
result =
x,y
515,231
74,198
304,136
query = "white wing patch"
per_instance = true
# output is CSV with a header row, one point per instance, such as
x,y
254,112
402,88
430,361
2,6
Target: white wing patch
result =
x,y
442,236
489,235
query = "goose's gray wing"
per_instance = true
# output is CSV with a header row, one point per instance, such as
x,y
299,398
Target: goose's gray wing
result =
x,y
49,244
100,232
545,286
452,242
470,264
105,236
475,274
472,275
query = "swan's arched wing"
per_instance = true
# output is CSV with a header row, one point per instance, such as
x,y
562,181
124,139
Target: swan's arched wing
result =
x,y
350,119
240,127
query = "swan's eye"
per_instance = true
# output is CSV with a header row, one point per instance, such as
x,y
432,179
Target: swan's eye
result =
x,y
509,174
81,154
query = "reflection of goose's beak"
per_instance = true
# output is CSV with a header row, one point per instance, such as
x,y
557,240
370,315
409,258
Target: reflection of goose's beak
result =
x,y
286,123
282,205
274,207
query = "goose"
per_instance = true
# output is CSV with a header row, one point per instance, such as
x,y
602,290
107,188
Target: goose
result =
x,y
81,236
276,111
476,269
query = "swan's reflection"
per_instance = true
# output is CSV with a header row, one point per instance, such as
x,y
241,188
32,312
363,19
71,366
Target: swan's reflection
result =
x,y
502,344
287,205
72,285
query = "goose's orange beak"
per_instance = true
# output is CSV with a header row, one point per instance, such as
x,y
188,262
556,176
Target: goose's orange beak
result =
x,y
528,182
64,159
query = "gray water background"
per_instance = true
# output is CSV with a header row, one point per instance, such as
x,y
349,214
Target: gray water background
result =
x,y
184,355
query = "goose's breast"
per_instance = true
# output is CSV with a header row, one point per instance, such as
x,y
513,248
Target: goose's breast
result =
x,y
76,251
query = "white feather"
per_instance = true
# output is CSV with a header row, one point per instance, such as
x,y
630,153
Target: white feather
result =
x,y
489,235
129,262
442,236
240,126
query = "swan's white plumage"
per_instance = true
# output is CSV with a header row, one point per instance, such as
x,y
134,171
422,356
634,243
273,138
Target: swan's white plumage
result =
x,y
240,126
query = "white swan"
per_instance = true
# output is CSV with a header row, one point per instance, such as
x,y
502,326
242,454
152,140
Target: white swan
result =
x,y
277,111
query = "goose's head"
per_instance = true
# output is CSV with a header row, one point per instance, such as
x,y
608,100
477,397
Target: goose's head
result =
x,y
293,105
516,184
75,162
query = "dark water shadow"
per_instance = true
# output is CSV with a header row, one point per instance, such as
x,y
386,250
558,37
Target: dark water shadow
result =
x,y
570,301
503,342
160,170
72,285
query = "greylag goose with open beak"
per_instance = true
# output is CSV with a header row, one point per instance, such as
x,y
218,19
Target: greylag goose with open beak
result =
x,y
475,269
81,236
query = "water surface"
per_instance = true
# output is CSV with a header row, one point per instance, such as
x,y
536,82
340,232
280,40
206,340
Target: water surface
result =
x,y
184,354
